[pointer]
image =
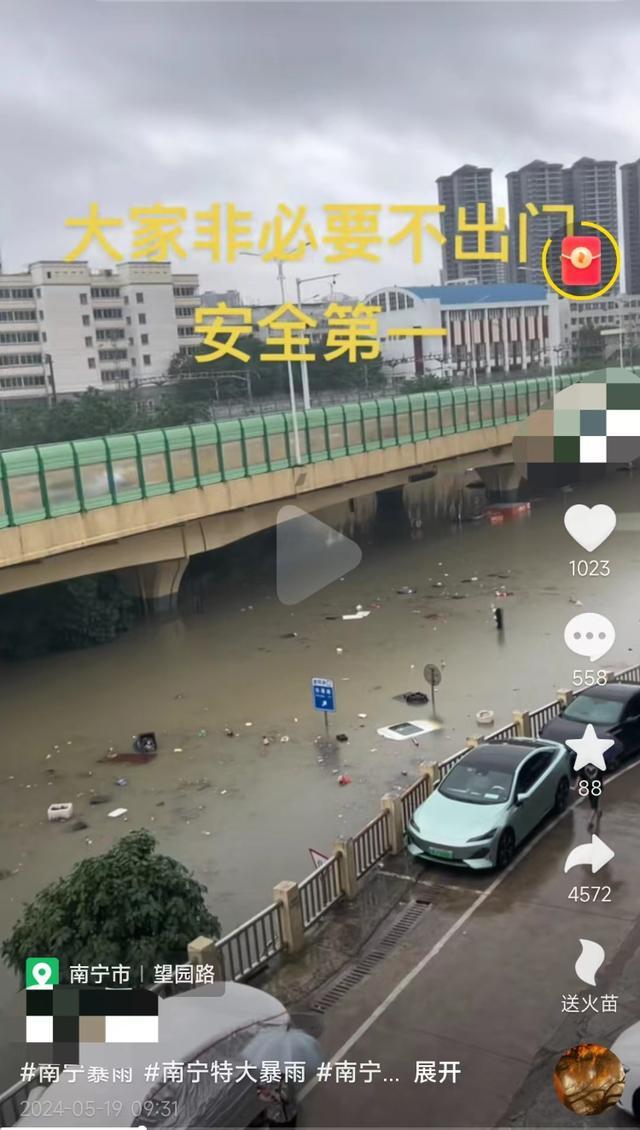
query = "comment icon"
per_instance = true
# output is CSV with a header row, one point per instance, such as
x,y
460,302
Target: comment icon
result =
x,y
590,634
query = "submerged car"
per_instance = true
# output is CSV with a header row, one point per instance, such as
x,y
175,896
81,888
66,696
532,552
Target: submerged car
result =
x,y
489,802
614,712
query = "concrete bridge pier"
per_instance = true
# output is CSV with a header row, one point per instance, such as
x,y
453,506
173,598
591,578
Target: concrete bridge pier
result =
x,y
156,585
502,482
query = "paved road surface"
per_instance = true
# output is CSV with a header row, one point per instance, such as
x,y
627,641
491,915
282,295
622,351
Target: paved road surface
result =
x,y
481,980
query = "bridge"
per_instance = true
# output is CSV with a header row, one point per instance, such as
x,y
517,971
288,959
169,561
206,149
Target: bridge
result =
x,y
146,502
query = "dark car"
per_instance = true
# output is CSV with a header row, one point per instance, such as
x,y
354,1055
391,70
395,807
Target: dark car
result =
x,y
613,711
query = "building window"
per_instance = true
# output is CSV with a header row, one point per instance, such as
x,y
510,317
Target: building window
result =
x,y
107,312
144,338
105,292
128,321
146,358
83,300
393,300
35,337
184,311
38,292
139,296
86,320
184,291
142,319
91,362
11,360
401,302
113,354
88,341
48,274
16,336
109,335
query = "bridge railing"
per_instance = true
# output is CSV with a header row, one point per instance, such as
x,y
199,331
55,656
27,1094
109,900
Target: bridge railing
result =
x,y
78,476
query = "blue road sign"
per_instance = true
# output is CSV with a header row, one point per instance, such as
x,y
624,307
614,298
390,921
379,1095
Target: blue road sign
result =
x,y
324,694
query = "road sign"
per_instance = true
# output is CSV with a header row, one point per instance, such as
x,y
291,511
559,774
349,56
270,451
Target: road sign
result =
x,y
432,675
318,858
324,695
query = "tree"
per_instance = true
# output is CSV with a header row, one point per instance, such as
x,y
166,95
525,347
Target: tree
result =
x,y
66,614
129,906
589,346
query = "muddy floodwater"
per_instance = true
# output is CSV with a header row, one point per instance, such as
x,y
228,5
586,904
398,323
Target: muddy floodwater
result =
x,y
240,811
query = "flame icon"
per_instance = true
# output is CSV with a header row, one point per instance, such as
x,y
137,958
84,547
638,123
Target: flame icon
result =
x,y
590,960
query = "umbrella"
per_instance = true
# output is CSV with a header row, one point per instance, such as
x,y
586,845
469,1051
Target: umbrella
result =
x,y
284,1045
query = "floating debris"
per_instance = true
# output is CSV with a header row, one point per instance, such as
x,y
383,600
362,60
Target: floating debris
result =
x,y
115,812
63,811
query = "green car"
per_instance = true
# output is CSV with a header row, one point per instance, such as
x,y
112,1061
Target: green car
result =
x,y
489,802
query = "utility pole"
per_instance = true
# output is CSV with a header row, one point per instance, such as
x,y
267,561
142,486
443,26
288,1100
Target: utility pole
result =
x,y
52,395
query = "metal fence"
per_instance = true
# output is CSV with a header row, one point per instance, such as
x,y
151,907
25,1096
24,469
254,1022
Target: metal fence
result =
x,y
75,477
412,797
629,675
446,766
249,947
504,733
320,890
371,843
542,715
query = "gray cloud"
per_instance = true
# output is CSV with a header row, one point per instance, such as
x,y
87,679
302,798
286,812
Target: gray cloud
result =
x,y
310,103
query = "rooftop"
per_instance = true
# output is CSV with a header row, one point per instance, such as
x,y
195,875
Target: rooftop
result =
x,y
481,295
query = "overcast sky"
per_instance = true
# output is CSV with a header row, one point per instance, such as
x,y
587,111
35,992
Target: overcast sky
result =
x,y
184,103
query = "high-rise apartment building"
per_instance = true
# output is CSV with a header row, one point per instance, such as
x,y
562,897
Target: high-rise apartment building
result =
x,y
538,183
630,174
591,187
92,329
465,188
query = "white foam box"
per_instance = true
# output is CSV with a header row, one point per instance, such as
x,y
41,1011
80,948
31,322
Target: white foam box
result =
x,y
60,811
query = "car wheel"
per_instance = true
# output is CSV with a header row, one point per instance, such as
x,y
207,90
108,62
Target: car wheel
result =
x,y
562,796
635,1105
506,849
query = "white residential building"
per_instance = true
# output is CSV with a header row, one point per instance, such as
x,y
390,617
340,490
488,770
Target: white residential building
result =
x,y
620,312
92,329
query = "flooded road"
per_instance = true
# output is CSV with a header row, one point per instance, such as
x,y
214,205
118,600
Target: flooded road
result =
x,y
242,813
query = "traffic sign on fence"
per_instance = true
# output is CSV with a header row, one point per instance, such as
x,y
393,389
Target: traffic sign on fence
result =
x,y
324,694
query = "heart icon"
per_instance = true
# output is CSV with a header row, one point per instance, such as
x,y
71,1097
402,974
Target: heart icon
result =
x,y
590,525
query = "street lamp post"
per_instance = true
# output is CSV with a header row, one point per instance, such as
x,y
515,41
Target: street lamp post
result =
x,y
304,372
292,391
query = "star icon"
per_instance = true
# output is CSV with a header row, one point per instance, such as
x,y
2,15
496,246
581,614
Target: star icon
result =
x,y
590,749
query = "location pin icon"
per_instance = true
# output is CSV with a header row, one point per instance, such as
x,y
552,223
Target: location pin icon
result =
x,y
41,973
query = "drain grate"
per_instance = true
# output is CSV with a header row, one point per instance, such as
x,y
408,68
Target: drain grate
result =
x,y
365,965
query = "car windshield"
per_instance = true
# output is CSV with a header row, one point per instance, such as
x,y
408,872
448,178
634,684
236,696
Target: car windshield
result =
x,y
477,784
599,711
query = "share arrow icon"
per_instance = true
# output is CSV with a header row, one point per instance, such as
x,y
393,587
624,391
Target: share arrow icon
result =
x,y
594,855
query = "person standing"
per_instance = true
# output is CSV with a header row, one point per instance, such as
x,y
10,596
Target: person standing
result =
x,y
593,775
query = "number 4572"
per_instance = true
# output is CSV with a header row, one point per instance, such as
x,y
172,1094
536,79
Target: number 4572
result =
x,y
590,894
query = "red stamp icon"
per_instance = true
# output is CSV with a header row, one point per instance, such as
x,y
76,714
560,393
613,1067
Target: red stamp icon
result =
x,y
581,260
